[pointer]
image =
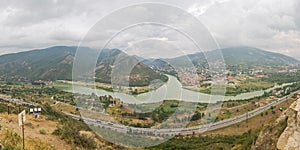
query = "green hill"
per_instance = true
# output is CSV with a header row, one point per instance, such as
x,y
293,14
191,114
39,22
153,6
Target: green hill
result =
x,y
50,63
56,63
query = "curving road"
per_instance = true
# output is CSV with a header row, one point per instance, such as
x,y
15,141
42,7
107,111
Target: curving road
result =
x,y
171,132
182,131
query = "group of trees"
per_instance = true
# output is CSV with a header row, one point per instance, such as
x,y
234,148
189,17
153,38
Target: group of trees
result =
x,y
70,133
198,115
281,78
243,141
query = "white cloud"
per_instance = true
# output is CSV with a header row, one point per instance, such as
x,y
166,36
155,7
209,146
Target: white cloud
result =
x,y
199,9
261,24
268,24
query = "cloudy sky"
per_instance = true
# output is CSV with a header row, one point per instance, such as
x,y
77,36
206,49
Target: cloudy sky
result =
x,y
272,25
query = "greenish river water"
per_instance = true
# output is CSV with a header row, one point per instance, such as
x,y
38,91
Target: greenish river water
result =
x,y
171,90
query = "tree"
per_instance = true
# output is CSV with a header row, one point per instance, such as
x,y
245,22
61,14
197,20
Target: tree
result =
x,y
196,116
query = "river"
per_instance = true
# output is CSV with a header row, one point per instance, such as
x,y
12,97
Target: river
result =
x,y
171,90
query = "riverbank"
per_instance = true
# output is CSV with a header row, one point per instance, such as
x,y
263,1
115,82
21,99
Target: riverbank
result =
x,y
171,90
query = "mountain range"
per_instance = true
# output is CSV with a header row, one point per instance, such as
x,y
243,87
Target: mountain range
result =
x,y
56,63
239,56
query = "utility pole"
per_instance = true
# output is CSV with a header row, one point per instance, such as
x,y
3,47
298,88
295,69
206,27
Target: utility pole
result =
x,y
23,132
80,119
8,111
21,120
247,117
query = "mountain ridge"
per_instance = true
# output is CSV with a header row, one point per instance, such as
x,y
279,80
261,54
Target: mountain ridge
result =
x,y
56,62
232,56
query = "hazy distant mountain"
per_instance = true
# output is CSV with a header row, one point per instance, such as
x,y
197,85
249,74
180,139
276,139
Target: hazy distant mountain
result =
x,y
157,63
254,56
160,65
247,56
124,65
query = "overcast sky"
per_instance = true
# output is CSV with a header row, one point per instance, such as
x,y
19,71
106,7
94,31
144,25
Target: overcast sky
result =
x,y
272,25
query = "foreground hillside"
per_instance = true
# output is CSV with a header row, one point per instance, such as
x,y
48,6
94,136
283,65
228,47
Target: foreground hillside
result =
x,y
284,133
37,132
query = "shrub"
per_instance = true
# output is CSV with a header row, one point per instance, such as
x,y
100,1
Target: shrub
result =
x,y
11,140
42,131
69,132
29,124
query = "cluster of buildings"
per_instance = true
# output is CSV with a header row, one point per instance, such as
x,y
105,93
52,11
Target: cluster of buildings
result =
x,y
23,79
41,82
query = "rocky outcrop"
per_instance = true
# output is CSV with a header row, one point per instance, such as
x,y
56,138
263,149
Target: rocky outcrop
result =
x,y
290,138
284,133
270,134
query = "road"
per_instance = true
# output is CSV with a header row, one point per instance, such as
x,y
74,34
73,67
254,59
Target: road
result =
x,y
182,131
18,102
170,132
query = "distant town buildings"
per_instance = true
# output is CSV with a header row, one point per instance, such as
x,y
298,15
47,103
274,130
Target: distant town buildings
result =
x,y
41,82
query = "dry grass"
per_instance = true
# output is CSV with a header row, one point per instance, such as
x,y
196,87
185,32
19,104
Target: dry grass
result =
x,y
254,123
65,107
32,133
